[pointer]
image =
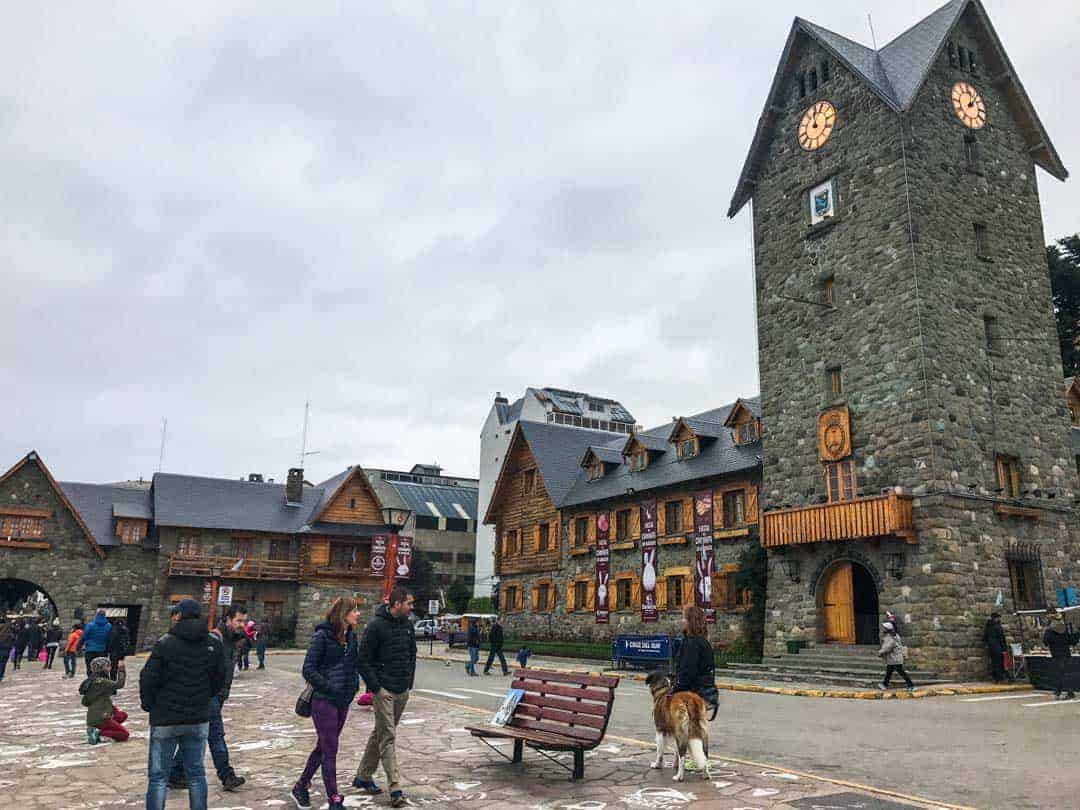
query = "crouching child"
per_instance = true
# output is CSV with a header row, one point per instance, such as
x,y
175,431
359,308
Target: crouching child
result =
x,y
103,719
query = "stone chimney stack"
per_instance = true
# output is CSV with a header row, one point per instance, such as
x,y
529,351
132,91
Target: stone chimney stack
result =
x,y
500,399
294,486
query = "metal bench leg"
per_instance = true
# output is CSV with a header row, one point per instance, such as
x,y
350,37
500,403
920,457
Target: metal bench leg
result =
x,y
518,746
579,764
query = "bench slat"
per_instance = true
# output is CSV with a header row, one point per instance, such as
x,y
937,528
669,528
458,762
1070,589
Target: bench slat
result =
x,y
574,706
578,732
553,742
577,692
605,681
559,716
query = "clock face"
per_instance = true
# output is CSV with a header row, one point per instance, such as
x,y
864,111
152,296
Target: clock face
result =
x,y
968,105
816,126
834,438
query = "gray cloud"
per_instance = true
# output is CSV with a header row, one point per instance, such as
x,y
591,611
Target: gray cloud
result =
x,y
214,213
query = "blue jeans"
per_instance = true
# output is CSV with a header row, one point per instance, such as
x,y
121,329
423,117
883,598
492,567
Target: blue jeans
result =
x,y
164,740
215,738
474,656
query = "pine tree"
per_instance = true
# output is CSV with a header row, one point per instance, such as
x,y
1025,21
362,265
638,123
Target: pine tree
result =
x,y
1063,258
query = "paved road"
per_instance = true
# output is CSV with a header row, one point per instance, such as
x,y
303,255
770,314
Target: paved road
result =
x,y
1015,750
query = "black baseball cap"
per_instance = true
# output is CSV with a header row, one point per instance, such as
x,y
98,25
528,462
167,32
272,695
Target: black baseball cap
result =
x,y
187,608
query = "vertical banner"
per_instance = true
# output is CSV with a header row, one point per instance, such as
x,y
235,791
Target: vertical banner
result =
x,y
404,558
603,559
378,555
703,556
649,567
390,565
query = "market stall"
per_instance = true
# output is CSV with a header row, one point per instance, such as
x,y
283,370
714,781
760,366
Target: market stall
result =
x,y
1036,658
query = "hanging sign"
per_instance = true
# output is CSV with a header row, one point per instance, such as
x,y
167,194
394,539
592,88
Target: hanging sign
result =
x,y
403,569
649,567
207,592
378,555
603,560
703,554
224,595
391,566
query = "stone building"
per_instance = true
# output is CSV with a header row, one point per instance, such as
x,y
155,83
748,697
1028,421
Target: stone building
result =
x,y
285,550
559,488
552,405
917,451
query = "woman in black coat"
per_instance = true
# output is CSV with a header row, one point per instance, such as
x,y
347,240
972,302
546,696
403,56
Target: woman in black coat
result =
x,y
695,665
22,638
330,666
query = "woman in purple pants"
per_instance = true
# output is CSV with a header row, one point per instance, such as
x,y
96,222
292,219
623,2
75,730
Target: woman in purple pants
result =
x,y
330,666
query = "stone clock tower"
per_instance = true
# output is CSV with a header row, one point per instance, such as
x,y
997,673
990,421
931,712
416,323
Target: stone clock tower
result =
x,y
917,452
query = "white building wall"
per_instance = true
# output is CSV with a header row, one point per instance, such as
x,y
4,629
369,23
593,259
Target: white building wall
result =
x,y
494,440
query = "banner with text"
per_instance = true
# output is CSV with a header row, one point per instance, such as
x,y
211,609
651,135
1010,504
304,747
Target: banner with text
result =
x,y
703,556
390,565
649,567
404,558
603,560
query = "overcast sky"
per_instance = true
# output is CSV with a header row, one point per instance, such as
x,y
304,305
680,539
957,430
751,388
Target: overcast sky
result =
x,y
393,210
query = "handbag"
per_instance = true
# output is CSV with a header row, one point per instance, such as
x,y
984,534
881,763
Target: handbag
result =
x,y
303,703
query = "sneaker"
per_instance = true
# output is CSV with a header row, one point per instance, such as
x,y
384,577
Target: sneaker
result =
x,y
367,785
301,797
336,803
232,781
93,736
397,798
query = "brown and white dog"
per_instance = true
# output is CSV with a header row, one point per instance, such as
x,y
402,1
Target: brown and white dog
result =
x,y
679,718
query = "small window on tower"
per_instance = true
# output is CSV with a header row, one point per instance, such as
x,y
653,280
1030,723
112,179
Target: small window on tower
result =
x,y
993,336
971,152
972,64
802,85
953,62
813,79
1008,476
962,53
825,71
827,293
982,241
834,383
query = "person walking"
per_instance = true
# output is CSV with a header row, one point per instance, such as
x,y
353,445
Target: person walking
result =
x,y
7,641
185,669
228,632
472,645
95,638
388,666
22,638
1059,641
994,641
71,647
261,632
103,719
119,641
696,664
35,641
893,651
248,642
495,647
52,643
330,666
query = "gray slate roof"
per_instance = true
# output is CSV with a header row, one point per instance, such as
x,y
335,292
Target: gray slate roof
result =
x,y
896,73
509,412
417,496
98,504
720,456
222,503
558,450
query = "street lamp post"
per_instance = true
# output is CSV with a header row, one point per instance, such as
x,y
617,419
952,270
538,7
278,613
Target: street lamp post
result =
x,y
395,519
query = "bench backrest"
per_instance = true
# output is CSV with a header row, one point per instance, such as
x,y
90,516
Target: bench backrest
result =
x,y
570,704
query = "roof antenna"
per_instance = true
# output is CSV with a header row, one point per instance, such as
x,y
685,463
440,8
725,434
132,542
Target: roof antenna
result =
x,y
870,22
304,452
161,454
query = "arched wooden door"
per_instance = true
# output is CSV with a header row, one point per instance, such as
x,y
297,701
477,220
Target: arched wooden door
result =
x,y
838,605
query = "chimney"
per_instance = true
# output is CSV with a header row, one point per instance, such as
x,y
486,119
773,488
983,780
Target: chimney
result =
x,y
500,399
255,478
294,486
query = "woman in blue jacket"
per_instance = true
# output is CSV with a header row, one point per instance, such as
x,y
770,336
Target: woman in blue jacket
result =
x,y
330,666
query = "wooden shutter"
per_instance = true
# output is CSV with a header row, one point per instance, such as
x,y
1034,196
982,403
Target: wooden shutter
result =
x,y
751,505
635,522
590,535
661,518
635,592
534,598
688,515
590,600
720,591
319,552
570,596
520,595
553,597
661,593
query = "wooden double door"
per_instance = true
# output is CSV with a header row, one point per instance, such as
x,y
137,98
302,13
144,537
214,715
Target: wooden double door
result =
x,y
849,605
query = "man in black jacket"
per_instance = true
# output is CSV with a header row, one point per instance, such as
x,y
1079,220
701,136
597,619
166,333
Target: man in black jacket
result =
x,y
185,669
388,667
118,647
495,644
229,633
1059,641
994,639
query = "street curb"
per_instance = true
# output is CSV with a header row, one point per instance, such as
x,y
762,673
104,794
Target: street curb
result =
x,y
868,694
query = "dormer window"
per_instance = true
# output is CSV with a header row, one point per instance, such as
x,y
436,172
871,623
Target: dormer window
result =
x,y
688,447
747,432
639,460
130,532
596,470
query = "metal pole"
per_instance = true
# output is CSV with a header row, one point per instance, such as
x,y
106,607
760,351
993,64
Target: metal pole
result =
x,y
213,604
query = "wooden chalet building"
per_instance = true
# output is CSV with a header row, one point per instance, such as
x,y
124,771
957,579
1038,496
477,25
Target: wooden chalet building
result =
x,y
556,482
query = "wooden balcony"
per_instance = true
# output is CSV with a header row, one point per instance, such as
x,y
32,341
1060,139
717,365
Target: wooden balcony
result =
x,y
860,519
200,566
352,573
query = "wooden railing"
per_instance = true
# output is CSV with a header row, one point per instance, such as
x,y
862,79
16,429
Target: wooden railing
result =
x,y
337,572
200,566
863,518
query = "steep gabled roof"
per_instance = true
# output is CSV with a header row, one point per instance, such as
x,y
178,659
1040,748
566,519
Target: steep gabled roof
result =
x,y
702,428
752,406
602,453
331,487
100,504
33,458
896,73
196,502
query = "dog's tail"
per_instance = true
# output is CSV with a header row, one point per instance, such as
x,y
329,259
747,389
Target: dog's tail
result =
x,y
697,753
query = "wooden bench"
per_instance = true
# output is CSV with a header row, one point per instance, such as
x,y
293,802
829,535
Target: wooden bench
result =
x,y
558,712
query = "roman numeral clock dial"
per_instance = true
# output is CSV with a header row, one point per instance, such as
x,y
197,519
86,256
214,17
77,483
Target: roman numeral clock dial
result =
x,y
968,105
816,126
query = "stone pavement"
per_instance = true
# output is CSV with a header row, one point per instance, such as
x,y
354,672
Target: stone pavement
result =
x,y
45,760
